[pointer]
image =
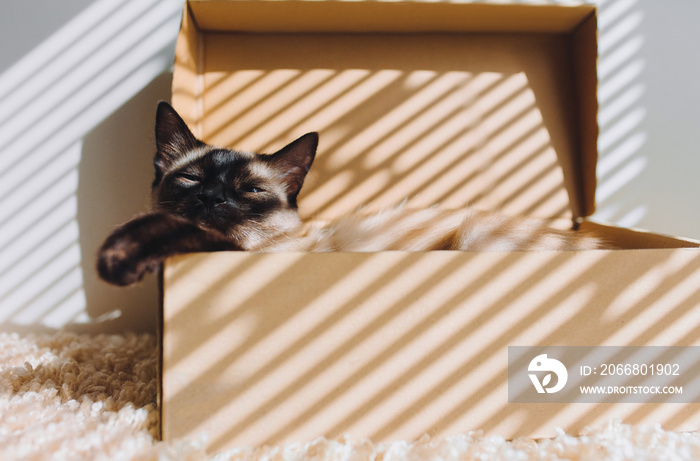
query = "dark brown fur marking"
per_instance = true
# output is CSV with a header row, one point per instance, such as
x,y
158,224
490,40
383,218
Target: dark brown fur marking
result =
x,y
140,245
206,199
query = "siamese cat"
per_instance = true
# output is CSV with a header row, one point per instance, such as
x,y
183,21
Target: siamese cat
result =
x,y
207,198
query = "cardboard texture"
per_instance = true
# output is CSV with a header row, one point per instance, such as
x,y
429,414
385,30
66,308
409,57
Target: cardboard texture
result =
x,y
486,105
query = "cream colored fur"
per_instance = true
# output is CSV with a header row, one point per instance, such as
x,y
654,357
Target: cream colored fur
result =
x,y
429,229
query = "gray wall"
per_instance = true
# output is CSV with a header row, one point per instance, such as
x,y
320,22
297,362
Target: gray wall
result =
x,y
649,60
79,80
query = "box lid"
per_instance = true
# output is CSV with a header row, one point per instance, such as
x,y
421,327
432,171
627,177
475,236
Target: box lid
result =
x,y
386,16
471,103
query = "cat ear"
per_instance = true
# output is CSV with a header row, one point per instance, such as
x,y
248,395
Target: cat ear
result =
x,y
173,137
293,162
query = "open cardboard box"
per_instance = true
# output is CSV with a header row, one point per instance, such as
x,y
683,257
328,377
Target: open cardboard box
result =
x,y
487,105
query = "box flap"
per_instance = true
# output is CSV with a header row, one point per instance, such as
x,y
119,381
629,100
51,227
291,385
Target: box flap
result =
x,y
405,16
632,239
456,104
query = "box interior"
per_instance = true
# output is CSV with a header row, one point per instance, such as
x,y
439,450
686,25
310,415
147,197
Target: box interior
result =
x,y
479,105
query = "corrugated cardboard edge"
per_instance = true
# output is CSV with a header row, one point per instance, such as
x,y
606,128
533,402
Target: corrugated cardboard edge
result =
x,y
188,82
586,82
160,350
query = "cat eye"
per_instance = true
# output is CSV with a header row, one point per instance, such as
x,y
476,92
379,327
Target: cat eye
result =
x,y
254,189
187,179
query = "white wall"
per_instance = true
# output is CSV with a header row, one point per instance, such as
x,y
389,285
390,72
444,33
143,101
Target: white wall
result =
x,y
649,116
79,80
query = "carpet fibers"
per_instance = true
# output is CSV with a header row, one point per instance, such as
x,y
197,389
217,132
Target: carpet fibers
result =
x,y
74,397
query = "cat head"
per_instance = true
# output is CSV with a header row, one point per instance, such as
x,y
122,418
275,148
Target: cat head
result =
x,y
248,196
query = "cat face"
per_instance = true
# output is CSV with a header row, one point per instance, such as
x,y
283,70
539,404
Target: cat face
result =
x,y
249,197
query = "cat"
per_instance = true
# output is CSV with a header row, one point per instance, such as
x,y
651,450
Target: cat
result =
x,y
206,198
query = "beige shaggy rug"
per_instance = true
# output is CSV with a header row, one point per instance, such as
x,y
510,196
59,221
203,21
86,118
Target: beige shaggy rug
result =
x,y
70,397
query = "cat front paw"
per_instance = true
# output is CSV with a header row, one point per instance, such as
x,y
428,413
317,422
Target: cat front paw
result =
x,y
118,264
126,255
139,246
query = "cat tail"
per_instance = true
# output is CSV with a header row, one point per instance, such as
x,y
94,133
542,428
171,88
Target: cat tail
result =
x,y
140,245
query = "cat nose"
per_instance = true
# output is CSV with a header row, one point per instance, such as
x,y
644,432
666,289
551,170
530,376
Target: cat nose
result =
x,y
213,195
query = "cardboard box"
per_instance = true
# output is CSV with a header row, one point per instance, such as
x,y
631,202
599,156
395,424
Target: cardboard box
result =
x,y
470,103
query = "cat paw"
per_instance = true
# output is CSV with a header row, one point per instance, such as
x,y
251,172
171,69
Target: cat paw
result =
x,y
116,265
123,258
140,246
